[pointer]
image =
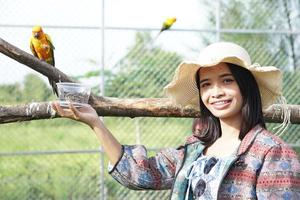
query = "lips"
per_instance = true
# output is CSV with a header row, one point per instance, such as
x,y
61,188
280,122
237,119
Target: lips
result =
x,y
222,104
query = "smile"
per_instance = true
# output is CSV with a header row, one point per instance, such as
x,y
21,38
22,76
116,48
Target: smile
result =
x,y
221,104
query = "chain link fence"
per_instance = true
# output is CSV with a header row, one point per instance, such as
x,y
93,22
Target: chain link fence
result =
x,y
114,48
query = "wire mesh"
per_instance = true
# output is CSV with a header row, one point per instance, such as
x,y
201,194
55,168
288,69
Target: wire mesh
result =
x,y
136,65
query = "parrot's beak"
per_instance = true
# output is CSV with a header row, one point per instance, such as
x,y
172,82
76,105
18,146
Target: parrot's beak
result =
x,y
36,35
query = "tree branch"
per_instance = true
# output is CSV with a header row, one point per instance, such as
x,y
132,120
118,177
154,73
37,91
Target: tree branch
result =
x,y
147,107
153,107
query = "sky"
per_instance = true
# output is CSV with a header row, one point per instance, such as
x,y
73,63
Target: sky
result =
x,y
75,29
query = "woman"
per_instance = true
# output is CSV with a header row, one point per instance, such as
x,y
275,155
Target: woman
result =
x,y
233,156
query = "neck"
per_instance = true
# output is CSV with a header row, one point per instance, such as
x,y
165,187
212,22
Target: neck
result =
x,y
231,127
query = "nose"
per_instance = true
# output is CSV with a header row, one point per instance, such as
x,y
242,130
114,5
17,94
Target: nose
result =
x,y
217,91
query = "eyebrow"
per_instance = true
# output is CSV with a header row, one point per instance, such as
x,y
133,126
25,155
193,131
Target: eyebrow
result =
x,y
221,76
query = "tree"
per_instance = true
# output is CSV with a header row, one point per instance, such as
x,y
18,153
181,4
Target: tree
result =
x,y
143,71
266,48
35,89
10,93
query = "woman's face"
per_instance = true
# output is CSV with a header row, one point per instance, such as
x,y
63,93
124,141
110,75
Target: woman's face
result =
x,y
220,92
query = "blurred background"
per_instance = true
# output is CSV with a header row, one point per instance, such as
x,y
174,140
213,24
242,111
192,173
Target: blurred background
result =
x,y
113,46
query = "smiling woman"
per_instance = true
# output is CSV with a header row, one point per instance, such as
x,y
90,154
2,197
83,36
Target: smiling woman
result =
x,y
230,93
220,92
231,154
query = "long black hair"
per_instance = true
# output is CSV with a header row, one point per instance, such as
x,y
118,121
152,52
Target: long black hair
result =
x,y
252,114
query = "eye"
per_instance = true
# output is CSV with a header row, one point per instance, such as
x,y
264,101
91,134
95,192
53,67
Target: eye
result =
x,y
204,85
228,80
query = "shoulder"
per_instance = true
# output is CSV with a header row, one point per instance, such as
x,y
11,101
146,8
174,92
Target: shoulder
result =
x,y
267,138
259,142
274,146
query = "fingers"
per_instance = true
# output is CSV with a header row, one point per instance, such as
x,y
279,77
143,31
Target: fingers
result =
x,y
70,112
55,106
58,108
74,111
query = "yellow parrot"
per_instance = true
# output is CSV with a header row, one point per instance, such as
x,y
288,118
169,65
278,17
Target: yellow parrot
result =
x,y
42,47
167,24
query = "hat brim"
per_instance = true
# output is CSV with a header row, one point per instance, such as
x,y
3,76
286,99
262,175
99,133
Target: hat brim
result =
x,y
182,90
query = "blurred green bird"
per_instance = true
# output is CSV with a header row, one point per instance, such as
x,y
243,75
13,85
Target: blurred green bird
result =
x,y
167,24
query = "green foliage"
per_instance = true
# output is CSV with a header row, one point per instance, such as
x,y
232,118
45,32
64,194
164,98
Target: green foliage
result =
x,y
33,89
144,71
291,87
50,177
70,176
10,93
264,48
91,74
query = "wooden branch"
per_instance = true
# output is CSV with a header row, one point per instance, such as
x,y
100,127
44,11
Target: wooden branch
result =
x,y
107,106
27,112
130,108
104,106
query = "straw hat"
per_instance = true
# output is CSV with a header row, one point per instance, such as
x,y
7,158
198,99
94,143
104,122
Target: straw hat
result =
x,y
183,88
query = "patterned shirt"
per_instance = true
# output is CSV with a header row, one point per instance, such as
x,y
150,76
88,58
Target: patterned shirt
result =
x,y
205,176
264,168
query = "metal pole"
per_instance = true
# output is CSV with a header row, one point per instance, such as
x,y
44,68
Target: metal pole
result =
x,y
102,63
218,20
102,178
102,87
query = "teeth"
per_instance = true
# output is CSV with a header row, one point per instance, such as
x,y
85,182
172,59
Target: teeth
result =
x,y
220,102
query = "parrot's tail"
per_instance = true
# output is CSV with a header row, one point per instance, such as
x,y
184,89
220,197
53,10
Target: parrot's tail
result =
x,y
54,87
158,35
52,83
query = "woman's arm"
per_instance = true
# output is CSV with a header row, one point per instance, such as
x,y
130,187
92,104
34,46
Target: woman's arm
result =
x,y
88,115
136,170
131,165
109,143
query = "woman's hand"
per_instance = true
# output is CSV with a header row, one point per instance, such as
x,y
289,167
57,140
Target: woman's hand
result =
x,y
85,113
